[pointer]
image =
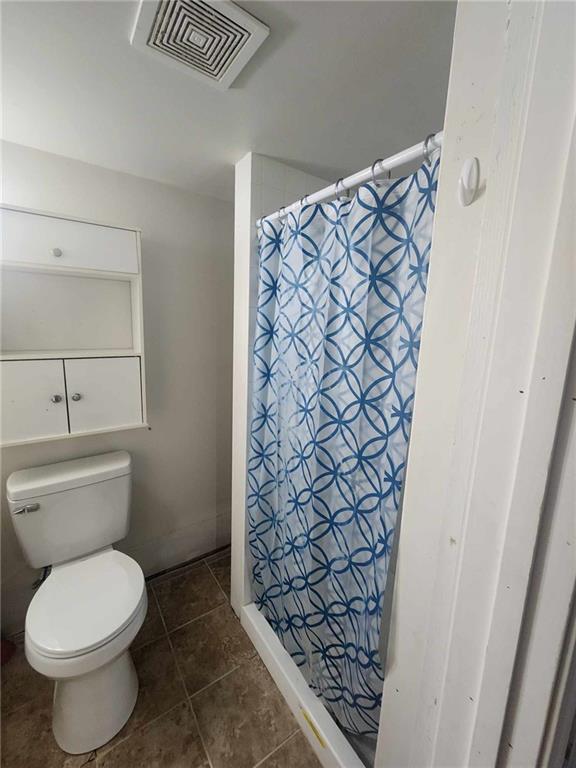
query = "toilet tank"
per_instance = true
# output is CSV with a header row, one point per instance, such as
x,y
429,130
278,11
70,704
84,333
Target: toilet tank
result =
x,y
66,510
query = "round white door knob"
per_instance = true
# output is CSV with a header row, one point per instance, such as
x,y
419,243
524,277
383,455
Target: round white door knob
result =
x,y
469,181
57,252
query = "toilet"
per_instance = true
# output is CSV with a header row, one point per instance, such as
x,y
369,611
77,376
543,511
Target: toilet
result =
x,y
86,613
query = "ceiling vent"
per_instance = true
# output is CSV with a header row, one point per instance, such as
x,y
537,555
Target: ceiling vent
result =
x,y
213,39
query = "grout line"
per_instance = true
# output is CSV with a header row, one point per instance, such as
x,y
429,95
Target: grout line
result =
x,y
194,717
101,751
226,598
172,631
217,680
155,598
219,585
161,616
6,712
196,618
36,701
190,707
219,605
154,639
157,606
259,763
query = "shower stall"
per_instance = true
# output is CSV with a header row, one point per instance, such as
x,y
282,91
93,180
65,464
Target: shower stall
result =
x,y
332,296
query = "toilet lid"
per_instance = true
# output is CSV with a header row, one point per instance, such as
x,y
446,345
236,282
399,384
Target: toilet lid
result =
x,y
84,604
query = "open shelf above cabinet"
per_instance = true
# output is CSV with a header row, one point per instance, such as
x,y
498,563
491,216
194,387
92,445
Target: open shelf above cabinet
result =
x,y
72,347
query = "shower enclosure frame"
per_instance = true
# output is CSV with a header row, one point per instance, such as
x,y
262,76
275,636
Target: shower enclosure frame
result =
x,y
325,737
332,747
501,288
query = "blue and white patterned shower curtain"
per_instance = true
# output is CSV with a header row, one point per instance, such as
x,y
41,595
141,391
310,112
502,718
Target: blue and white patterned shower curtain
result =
x,y
340,305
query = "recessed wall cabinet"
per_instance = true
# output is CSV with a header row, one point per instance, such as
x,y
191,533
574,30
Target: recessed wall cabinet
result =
x,y
72,348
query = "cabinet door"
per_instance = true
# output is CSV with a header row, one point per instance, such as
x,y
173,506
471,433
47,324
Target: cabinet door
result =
x,y
33,400
30,238
103,393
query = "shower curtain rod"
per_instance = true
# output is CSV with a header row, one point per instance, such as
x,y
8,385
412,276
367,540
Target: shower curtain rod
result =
x,y
379,168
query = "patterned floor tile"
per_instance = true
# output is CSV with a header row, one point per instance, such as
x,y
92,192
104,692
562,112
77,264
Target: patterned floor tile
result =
x,y
28,742
171,741
209,647
21,684
188,595
153,627
242,717
295,752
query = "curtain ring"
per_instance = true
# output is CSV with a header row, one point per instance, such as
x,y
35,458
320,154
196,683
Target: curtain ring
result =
x,y
427,150
343,195
373,169
304,200
282,212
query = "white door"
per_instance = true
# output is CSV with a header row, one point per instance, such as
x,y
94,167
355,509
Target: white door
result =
x,y
103,393
33,400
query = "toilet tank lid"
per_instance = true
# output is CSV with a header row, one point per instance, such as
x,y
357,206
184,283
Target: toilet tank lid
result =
x,y
52,478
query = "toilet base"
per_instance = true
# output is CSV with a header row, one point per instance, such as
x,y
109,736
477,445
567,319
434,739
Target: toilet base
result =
x,y
90,709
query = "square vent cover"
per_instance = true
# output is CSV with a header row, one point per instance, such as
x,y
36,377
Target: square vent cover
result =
x,y
212,39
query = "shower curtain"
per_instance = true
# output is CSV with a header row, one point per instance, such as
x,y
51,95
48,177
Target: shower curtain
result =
x,y
340,305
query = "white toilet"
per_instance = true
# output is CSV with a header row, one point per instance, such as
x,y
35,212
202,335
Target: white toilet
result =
x,y
84,616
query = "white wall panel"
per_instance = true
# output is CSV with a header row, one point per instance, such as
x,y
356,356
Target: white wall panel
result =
x,y
44,312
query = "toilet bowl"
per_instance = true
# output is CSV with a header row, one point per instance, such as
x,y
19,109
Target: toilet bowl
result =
x,y
79,627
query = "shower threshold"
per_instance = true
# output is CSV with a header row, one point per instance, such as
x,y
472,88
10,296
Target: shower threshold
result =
x,y
331,746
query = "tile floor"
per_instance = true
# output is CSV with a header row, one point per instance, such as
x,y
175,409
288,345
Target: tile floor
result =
x,y
205,701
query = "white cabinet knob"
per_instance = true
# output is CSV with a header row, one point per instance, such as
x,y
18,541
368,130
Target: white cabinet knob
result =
x,y
57,252
76,396
56,398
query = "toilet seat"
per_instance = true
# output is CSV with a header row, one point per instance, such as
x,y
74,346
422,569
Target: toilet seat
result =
x,y
84,604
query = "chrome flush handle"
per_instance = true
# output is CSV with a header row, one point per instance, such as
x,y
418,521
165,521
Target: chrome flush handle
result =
x,y
27,508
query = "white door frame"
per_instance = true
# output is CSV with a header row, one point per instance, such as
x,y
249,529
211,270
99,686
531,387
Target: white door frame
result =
x,y
498,327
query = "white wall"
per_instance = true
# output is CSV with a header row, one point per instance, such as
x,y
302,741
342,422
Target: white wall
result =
x,y
181,484
262,186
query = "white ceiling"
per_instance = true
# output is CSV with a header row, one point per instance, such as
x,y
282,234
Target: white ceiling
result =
x,y
336,85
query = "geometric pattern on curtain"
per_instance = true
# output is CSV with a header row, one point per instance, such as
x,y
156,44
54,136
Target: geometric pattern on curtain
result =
x,y
340,306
